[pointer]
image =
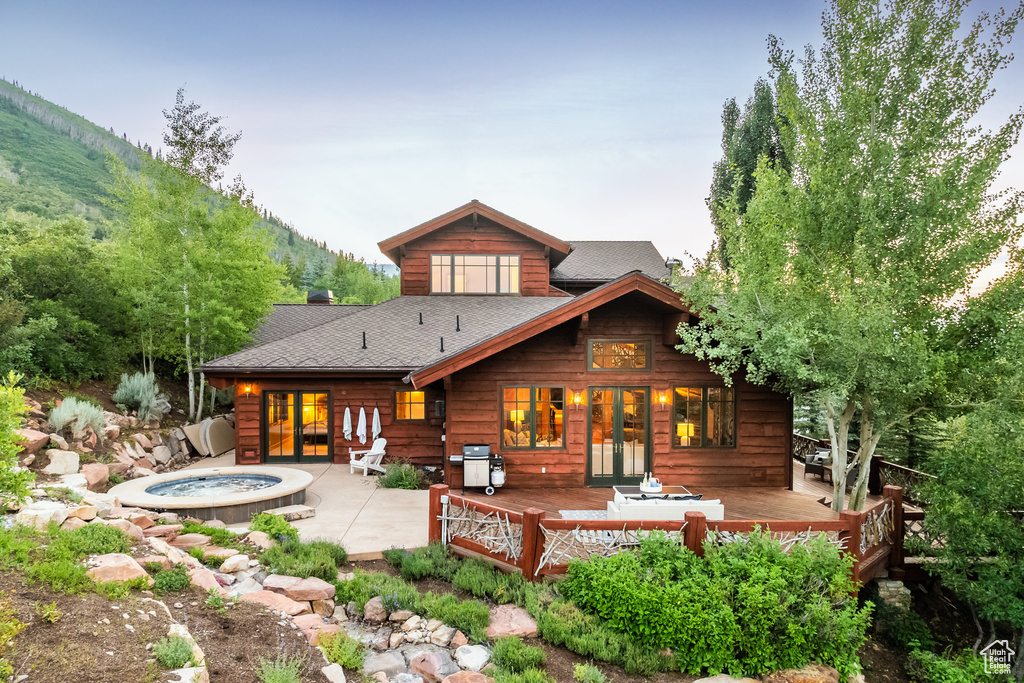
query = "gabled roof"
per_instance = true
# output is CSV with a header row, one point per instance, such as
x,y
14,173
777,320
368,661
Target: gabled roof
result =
x,y
593,261
396,342
631,282
287,318
392,245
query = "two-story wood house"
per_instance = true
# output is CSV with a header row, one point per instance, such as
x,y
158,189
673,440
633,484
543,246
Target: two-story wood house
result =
x,y
559,355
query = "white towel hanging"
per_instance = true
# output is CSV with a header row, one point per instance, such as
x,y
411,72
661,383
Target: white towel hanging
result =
x,y
347,428
361,427
376,422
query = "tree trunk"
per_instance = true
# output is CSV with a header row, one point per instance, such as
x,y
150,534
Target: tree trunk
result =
x,y
839,437
1017,670
866,450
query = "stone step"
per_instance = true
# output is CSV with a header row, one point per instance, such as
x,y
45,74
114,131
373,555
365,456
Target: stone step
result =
x,y
293,512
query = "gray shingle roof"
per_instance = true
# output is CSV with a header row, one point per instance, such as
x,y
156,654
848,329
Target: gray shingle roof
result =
x,y
286,319
605,261
394,338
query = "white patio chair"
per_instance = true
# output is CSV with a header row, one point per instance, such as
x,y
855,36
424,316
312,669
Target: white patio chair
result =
x,y
367,460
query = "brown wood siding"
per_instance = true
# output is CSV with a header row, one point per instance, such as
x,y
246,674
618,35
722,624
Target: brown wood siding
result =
x,y
487,237
760,457
417,441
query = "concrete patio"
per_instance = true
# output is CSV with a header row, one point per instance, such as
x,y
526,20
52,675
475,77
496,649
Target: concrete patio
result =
x,y
352,511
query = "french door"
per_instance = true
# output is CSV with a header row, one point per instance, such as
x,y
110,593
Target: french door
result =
x,y
618,443
297,426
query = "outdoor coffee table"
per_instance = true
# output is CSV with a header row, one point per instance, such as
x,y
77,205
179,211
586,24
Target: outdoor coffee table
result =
x,y
666,493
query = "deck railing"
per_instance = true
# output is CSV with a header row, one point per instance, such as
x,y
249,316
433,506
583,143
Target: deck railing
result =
x,y
539,546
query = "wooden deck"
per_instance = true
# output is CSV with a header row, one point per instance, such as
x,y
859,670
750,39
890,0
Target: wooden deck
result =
x,y
741,502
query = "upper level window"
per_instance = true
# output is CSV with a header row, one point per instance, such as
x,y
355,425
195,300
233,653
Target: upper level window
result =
x,y
704,417
610,354
474,274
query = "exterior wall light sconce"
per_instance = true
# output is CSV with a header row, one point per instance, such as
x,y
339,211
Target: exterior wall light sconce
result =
x,y
664,398
247,389
576,399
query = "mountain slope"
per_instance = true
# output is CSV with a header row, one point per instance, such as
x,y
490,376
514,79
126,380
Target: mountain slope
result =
x,y
53,164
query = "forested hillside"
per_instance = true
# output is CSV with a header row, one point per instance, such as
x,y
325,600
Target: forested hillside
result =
x,y
53,164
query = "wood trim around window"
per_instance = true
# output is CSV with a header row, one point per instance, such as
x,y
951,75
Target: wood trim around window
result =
x,y
704,417
533,448
395,403
648,354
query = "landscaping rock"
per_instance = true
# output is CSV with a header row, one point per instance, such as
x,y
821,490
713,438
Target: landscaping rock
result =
x,y
140,520
59,441
324,608
188,541
245,587
235,563
433,666
407,678
104,502
74,481
72,523
115,567
218,552
276,601
472,657
381,639
442,635
510,620
127,527
389,663
143,441
40,513
111,432
259,539
300,589
181,631
117,468
812,673
400,615
161,454
84,512
162,560
28,460
145,464
190,674
313,627
468,677
373,610
458,640
334,673
32,440
205,579
140,472
163,530
61,462
396,639
292,513
96,475
412,623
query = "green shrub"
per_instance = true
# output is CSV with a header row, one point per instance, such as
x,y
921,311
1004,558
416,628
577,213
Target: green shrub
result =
x,y
225,538
747,608
140,392
511,654
116,590
116,479
316,558
484,581
214,600
91,539
72,416
401,475
171,580
528,676
928,667
173,652
432,560
14,480
339,648
284,669
16,545
275,526
588,673
472,617
10,627
48,614
63,575
903,628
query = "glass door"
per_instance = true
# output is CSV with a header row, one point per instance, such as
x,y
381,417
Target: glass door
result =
x,y
297,426
619,433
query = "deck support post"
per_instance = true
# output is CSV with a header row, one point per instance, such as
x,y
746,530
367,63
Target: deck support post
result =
x,y
851,538
533,541
895,494
695,531
433,523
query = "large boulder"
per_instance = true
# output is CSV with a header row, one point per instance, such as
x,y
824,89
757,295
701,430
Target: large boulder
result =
x,y
32,440
104,502
433,666
127,527
472,657
373,611
278,602
468,677
61,462
96,475
205,579
389,663
299,589
509,620
235,563
115,567
188,541
40,513
162,454
812,673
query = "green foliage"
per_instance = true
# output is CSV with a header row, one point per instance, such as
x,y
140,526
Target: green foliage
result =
x,y
173,652
840,273
588,673
295,558
928,667
511,654
91,539
224,538
60,574
16,545
339,648
353,282
469,616
431,560
275,526
471,575
748,607
214,600
284,669
401,475
903,628
118,590
196,145
528,676
72,416
48,614
14,482
141,393
172,580
10,627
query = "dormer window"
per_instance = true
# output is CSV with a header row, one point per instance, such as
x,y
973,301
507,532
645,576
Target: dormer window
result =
x,y
474,274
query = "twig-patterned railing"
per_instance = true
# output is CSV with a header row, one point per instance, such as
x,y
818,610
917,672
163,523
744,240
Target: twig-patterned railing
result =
x,y
538,546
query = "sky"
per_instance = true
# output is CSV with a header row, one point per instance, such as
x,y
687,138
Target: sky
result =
x,y
588,120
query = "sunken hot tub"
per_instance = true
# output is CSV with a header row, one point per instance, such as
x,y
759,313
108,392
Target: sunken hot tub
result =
x,y
230,494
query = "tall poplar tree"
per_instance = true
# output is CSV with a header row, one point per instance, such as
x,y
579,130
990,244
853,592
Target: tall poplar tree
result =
x,y
841,270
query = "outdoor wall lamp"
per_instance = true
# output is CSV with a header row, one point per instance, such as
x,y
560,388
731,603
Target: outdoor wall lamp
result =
x,y
247,388
663,398
576,399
